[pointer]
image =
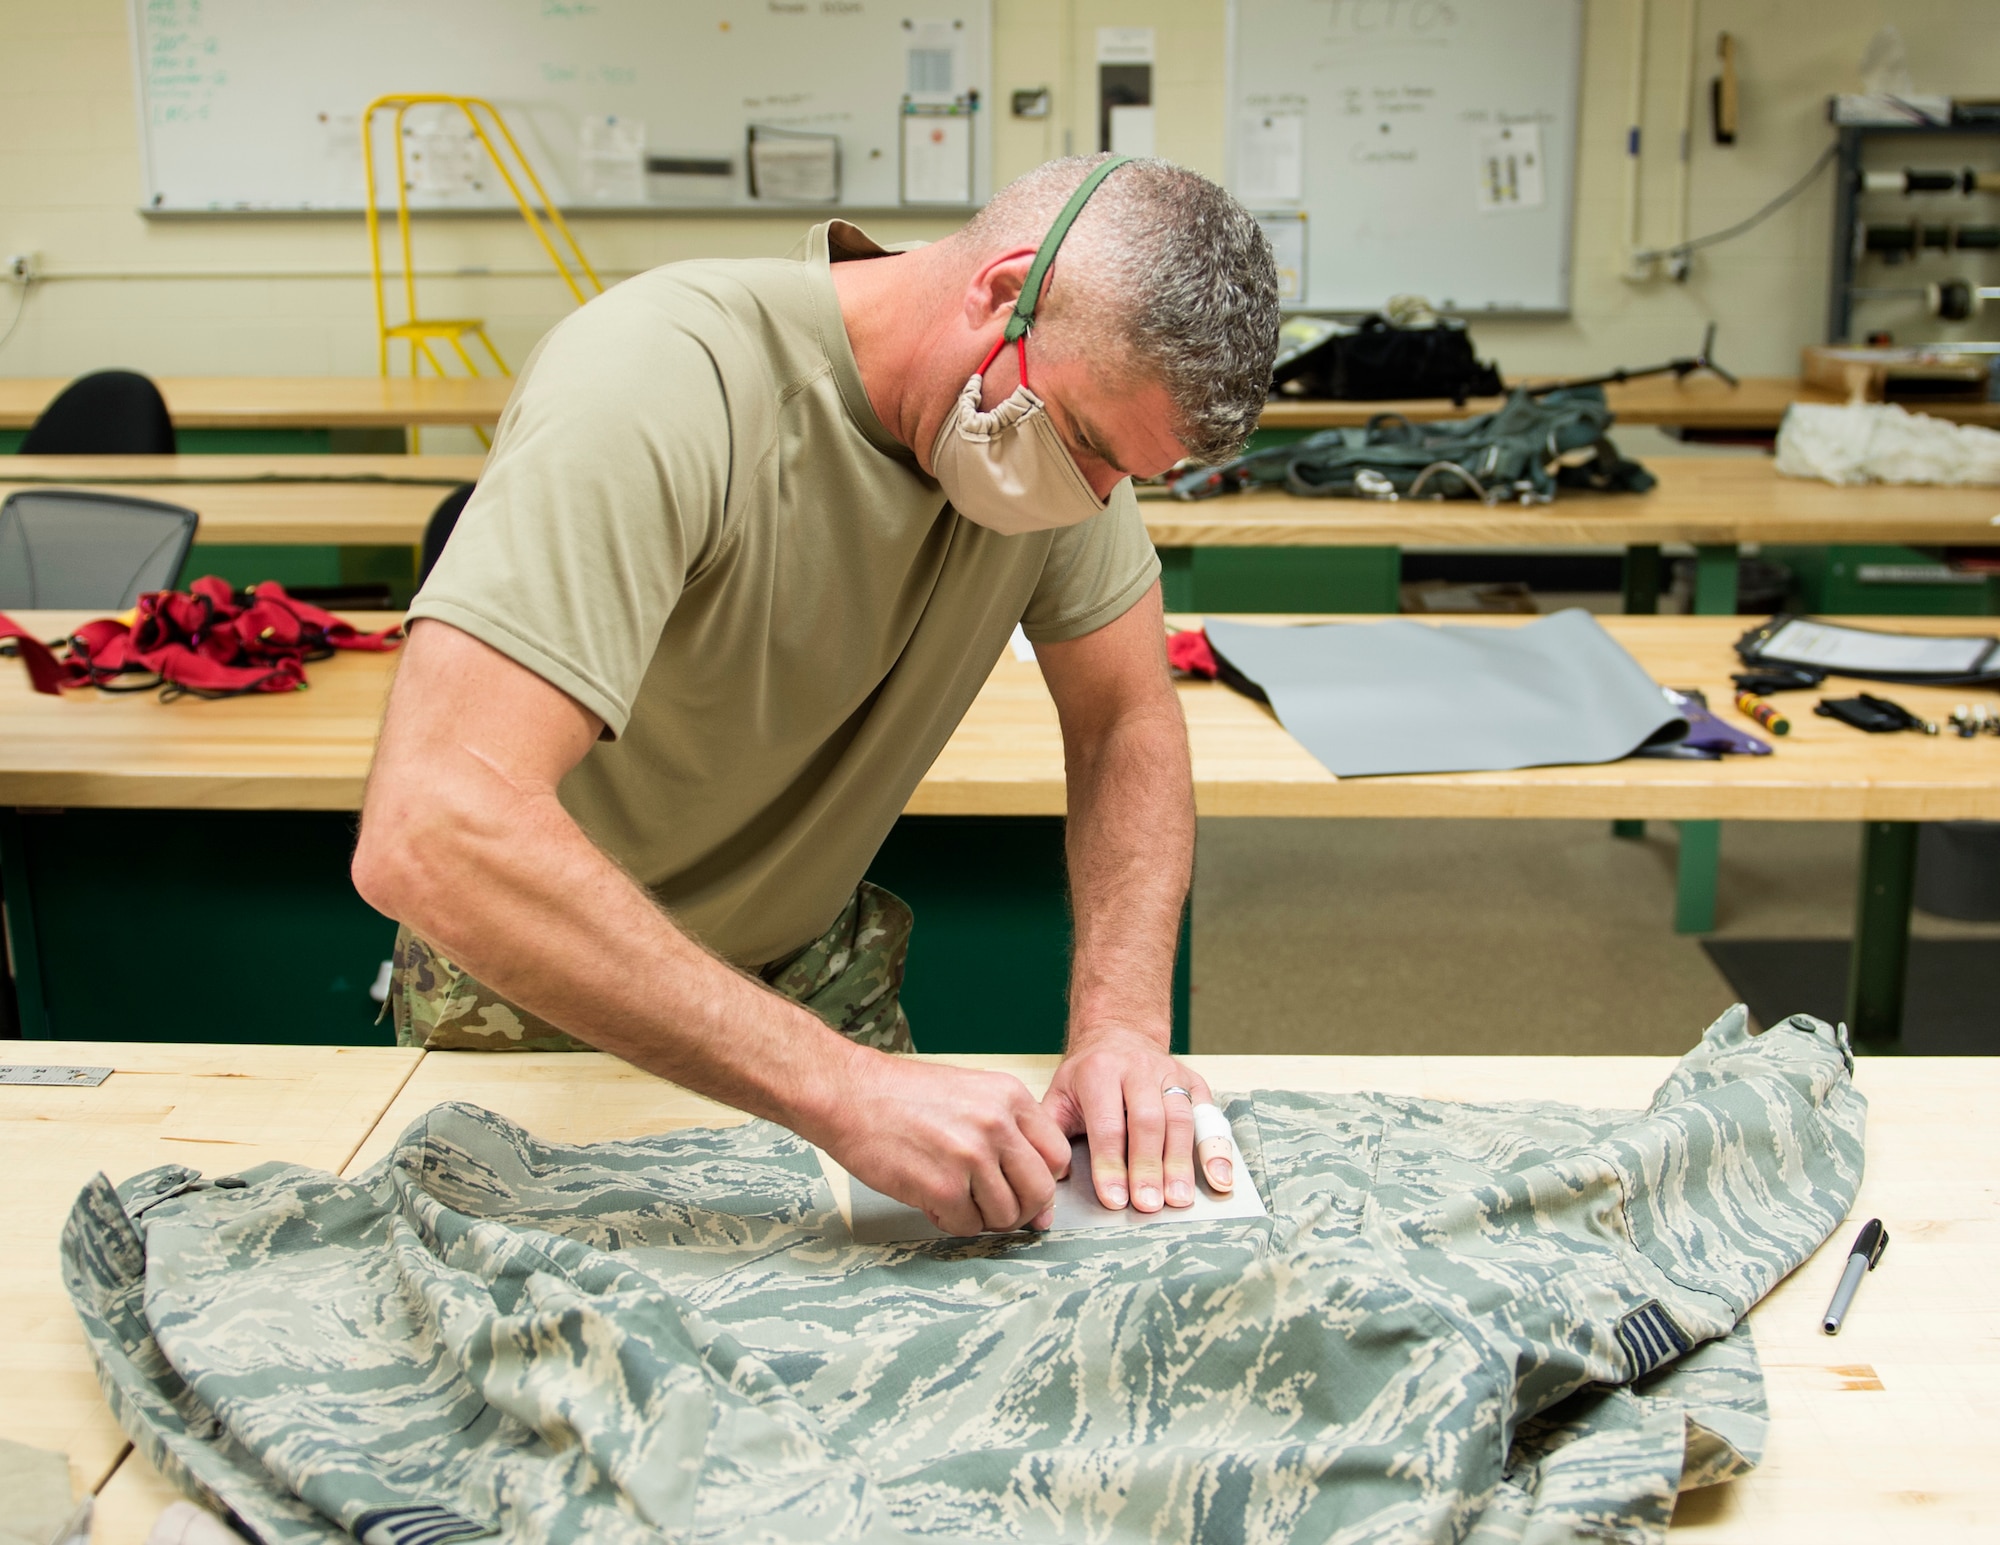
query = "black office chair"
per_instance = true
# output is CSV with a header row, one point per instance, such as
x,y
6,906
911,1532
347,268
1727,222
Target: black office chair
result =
x,y
107,413
89,551
438,529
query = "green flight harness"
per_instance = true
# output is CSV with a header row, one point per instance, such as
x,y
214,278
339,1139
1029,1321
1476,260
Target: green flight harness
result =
x,y
1521,452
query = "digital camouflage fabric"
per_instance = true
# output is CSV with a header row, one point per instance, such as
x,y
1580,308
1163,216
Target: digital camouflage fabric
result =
x,y
1505,1323
851,976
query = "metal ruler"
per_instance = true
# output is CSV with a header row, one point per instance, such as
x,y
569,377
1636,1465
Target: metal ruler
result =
x,y
41,1073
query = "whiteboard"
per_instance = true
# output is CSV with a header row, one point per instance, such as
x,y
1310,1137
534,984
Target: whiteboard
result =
x,y
254,105
1429,144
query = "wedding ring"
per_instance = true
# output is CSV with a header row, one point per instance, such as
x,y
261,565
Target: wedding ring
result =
x,y
1177,1089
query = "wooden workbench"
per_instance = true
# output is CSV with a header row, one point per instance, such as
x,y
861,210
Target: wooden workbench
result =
x,y
372,402
310,751
1884,1434
218,1108
1702,402
334,501
1701,500
292,402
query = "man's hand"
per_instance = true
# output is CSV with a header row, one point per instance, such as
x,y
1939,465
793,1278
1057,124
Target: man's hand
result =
x,y
1122,1091
1130,838
973,1150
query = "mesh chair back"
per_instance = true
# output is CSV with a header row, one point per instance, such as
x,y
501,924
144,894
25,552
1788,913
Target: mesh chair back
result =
x,y
107,413
438,529
62,547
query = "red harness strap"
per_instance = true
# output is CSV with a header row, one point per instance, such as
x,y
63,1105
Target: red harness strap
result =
x,y
45,671
208,641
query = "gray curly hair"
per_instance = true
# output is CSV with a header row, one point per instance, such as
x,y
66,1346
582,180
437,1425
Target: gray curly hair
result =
x,y
1162,271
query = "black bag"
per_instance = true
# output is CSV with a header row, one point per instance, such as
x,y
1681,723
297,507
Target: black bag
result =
x,y
1376,360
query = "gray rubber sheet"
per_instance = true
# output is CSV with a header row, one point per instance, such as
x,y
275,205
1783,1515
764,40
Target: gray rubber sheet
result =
x,y
1412,697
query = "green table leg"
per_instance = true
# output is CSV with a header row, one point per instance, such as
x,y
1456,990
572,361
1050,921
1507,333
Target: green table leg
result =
x,y
1701,841
1715,580
1642,581
24,947
1642,599
1694,892
1879,966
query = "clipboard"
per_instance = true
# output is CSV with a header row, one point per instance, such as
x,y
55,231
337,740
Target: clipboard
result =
x,y
1917,659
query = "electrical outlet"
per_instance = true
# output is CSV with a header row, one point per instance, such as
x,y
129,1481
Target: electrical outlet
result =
x,y
23,268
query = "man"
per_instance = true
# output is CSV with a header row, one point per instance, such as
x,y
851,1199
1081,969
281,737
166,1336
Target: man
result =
x,y
748,543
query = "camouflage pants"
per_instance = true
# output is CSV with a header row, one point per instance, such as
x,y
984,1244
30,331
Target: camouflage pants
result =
x,y
851,976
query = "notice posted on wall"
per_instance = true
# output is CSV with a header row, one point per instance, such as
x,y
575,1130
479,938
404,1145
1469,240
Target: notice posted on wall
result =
x,y
794,168
1271,158
1286,232
1510,167
937,158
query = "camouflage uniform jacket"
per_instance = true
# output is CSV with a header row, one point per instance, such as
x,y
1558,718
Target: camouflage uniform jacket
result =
x,y
1472,1323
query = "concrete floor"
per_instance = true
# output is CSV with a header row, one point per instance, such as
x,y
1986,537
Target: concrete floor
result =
x,y
1488,936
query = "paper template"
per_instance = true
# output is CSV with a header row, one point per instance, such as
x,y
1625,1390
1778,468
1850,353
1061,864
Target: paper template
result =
x,y
877,1219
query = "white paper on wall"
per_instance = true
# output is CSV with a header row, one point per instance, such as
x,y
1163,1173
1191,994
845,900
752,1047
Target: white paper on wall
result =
x,y
1270,157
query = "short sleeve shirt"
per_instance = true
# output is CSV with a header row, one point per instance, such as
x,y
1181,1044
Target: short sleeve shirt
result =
x,y
693,523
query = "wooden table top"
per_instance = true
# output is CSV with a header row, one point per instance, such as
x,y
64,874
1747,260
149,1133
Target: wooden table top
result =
x,y
1699,402
292,402
310,750
375,402
386,500
1887,1433
354,501
1700,500
218,1108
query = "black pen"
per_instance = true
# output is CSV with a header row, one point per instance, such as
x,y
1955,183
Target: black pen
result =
x,y
1868,1247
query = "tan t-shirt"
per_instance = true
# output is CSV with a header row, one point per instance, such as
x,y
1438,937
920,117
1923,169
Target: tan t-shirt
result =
x,y
693,523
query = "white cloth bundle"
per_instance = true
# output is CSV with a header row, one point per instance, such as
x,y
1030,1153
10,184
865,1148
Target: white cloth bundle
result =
x,y
1879,442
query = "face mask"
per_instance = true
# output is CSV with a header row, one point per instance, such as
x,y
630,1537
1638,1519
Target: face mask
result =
x,y
1008,469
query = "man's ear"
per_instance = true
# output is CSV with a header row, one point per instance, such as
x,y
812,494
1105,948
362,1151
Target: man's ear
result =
x,y
996,285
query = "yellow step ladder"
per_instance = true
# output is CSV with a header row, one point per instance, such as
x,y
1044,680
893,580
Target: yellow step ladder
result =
x,y
424,335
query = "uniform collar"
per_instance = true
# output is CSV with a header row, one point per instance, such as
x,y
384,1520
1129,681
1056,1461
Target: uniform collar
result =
x,y
841,241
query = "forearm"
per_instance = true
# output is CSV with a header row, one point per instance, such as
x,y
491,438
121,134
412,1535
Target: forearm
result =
x,y
512,890
1130,841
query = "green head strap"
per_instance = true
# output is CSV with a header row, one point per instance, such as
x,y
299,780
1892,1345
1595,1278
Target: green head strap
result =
x,y
1031,291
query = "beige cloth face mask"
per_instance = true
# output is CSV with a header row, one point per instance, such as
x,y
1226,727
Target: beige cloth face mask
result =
x,y
1007,468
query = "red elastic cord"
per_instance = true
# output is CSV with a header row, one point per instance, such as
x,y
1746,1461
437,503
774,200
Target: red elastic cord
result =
x,y
1020,353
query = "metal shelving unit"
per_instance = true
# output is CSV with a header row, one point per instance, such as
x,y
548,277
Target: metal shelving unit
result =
x,y
1924,142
